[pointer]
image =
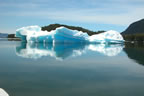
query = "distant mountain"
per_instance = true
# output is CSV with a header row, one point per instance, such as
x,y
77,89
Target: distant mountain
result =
x,y
54,26
135,28
11,36
3,35
135,32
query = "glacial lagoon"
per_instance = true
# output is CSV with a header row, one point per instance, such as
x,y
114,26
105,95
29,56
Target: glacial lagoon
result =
x,y
43,69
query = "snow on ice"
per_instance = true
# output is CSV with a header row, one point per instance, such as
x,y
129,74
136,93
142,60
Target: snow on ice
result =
x,y
65,35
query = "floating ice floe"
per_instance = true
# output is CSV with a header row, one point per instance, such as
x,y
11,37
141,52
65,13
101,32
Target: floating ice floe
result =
x,y
3,92
65,35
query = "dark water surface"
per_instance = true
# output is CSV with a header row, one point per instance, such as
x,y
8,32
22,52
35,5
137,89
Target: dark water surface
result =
x,y
71,69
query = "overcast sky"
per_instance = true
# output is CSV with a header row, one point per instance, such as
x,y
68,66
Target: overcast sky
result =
x,y
91,14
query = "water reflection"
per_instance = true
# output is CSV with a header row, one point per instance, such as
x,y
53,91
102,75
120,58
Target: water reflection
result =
x,y
135,52
62,51
106,49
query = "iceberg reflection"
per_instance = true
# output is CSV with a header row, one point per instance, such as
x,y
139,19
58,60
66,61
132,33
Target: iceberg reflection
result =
x,y
58,51
62,51
106,49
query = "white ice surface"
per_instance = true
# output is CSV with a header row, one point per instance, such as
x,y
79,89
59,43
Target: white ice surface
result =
x,y
3,92
64,35
109,36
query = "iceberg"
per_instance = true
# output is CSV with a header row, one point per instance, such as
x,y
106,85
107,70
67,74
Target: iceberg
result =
x,y
65,35
60,35
107,37
63,51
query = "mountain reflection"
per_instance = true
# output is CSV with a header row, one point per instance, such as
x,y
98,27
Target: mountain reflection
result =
x,y
135,52
62,51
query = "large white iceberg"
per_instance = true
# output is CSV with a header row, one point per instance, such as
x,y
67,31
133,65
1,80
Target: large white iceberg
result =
x,y
65,35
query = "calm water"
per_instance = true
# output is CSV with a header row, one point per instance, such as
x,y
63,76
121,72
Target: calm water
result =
x,y
71,69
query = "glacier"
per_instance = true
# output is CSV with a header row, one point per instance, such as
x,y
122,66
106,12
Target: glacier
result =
x,y
60,52
65,35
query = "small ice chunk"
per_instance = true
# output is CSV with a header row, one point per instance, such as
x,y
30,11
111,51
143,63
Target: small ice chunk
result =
x,y
3,92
